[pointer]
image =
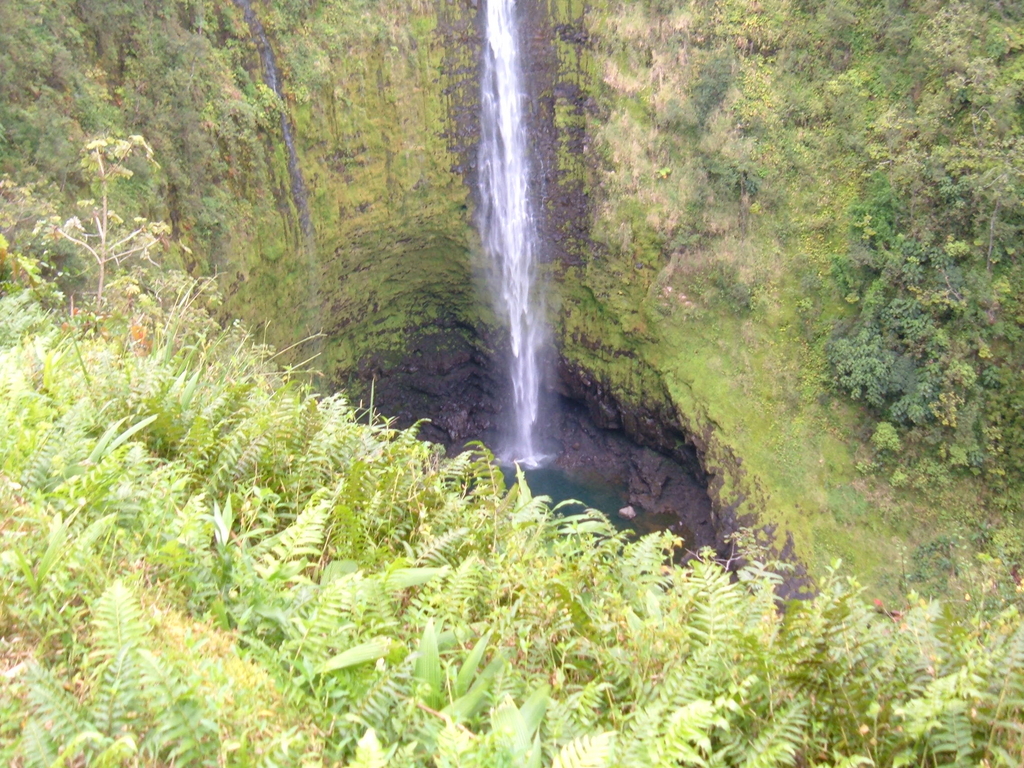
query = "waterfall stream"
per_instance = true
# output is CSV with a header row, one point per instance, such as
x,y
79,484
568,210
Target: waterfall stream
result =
x,y
508,226
272,79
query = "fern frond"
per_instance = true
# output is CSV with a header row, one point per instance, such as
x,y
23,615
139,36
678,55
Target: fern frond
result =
x,y
443,549
686,739
117,621
376,707
115,704
1003,709
955,737
715,615
116,754
51,703
182,730
283,557
641,562
37,748
586,752
369,753
779,741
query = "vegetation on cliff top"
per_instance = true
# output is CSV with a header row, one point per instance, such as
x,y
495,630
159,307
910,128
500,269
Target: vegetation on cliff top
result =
x,y
204,564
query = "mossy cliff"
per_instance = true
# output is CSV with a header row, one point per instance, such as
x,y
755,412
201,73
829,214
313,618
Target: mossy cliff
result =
x,y
791,205
375,111
780,239
378,96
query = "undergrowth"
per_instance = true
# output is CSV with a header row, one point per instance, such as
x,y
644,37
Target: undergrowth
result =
x,y
203,563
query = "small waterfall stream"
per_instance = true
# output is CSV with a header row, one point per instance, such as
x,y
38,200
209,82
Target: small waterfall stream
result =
x,y
508,226
272,78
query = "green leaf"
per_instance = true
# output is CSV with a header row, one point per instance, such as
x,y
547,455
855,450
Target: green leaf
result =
x,y
586,752
404,578
505,718
427,669
55,548
468,705
533,708
471,664
358,654
369,753
107,443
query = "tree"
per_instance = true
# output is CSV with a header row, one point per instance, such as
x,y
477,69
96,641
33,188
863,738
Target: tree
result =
x,y
106,237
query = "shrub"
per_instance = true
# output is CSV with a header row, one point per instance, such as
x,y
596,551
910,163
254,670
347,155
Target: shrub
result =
x,y
886,438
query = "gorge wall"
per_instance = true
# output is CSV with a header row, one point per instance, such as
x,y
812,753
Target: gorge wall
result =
x,y
391,297
715,218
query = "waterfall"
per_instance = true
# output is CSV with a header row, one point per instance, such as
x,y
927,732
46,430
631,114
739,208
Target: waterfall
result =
x,y
272,79
507,224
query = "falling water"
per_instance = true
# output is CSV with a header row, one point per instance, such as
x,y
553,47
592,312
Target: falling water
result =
x,y
272,78
507,223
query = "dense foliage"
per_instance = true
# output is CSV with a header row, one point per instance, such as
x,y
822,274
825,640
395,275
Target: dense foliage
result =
x,y
923,103
202,563
72,71
829,197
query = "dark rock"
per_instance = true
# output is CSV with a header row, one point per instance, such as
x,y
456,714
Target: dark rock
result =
x,y
663,494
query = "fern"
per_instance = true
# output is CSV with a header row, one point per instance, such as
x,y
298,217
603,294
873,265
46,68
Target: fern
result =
x,y
369,753
118,633
183,731
779,740
37,747
715,614
323,623
687,738
443,549
375,708
284,557
20,315
116,701
641,562
50,703
395,605
586,752
955,737
1003,709
117,622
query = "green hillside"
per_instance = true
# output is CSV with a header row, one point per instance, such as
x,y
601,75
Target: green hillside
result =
x,y
203,564
788,233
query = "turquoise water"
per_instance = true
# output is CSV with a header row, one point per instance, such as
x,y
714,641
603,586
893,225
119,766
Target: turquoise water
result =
x,y
594,492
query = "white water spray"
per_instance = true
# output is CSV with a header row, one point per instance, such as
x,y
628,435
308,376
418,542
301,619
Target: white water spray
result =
x,y
507,223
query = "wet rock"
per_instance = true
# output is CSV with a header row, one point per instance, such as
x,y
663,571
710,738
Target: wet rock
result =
x,y
627,513
446,380
662,493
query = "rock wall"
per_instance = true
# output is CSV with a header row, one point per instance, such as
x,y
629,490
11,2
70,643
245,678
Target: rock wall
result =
x,y
385,141
690,218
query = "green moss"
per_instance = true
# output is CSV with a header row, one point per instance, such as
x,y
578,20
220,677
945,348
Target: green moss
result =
x,y
394,242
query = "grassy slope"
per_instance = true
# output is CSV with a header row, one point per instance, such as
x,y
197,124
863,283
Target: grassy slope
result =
x,y
729,148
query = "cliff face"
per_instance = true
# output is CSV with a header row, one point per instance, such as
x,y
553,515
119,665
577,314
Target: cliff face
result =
x,y
382,137
383,102
727,188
